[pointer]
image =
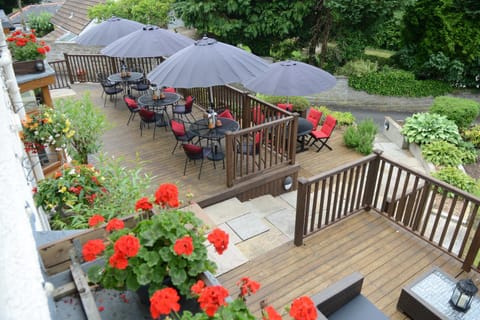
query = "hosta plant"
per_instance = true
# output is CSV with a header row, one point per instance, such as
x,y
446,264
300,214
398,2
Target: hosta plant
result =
x,y
423,128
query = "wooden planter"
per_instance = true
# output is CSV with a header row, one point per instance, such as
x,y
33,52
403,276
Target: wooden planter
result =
x,y
27,67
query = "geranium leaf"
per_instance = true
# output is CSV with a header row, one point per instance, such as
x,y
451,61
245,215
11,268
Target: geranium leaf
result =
x,y
95,273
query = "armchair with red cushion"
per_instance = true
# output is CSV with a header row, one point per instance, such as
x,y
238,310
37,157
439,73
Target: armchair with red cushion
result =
x,y
194,152
285,106
132,106
181,134
147,117
226,114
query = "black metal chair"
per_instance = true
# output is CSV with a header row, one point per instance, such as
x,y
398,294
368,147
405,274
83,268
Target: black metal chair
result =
x,y
110,91
181,134
132,106
195,152
183,110
148,117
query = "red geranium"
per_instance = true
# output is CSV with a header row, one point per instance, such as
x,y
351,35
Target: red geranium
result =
x,y
92,249
270,314
143,204
115,224
211,298
95,220
118,261
219,239
303,308
163,302
183,246
198,287
167,195
247,286
127,245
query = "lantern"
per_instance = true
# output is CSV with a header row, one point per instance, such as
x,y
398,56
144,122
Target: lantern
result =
x,y
463,294
155,91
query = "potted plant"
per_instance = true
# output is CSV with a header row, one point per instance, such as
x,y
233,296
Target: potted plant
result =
x,y
28,53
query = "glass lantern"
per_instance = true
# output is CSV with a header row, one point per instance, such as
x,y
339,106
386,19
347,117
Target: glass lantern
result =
x,y
463,294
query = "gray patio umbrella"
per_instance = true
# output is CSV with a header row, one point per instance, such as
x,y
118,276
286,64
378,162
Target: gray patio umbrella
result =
x,y
148,41
291,78
207,63
107,31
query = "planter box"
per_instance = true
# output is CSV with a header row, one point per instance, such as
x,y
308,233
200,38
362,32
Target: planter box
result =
x,y
27,67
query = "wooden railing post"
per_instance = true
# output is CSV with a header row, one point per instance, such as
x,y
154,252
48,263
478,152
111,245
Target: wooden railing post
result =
x,y
246,111
370,184
301,214
293,138
69,68
472,250
229,154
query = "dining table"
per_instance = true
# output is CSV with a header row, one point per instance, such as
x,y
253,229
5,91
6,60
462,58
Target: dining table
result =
x,y
303,130
214,135
125,80
159,105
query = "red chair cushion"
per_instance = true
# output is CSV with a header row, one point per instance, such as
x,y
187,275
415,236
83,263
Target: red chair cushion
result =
x,y
132,104
147,114
169,89
178,128
191,148
286,106
226,114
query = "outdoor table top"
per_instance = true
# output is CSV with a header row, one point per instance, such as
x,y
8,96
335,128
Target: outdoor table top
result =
x,y
200,128
304,126
116,77
147,100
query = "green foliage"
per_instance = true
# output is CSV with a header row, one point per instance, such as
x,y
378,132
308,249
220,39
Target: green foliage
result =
x,y
457,178
89,124
358,68
361,136
461,111
423,128
40,22
442,153
391,82
144,11
442,37
299,103
470,154
283,50
473,135
343,118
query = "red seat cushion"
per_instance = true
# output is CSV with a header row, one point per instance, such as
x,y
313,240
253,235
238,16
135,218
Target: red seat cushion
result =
x,y
286,106
169,89
226,114
147,114
178,128
132,104
191,148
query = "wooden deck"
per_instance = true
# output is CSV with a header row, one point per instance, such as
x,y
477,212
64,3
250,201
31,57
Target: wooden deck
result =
x,y
158,161
385,254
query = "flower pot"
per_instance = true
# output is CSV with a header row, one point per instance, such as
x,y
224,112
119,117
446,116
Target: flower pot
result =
x,y
27,67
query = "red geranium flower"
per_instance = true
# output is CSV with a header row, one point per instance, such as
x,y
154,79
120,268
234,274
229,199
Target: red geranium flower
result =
x,y
198,287
211,298
270,314
115,224
127,245
303,308
247,286
92,249
95,220
183,246
58,174
143,204
167,195
219,239
91,197
163,302
118,261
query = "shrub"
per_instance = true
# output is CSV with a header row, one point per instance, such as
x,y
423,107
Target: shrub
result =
x,y
469,153
473,135
442,153
461,111
358,68
457,178
40,22
343,118
423,128
391,82
361,136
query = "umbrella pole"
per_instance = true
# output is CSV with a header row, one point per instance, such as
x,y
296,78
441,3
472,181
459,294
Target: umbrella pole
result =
x,y
210,94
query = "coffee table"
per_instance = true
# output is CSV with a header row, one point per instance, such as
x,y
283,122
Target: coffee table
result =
x,y
428,296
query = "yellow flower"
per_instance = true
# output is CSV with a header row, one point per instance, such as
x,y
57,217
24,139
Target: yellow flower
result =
x,y
62,189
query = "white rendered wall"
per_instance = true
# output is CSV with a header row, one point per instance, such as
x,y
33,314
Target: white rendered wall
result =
x,y
22,295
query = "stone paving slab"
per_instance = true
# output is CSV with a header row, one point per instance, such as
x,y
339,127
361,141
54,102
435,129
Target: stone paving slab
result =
x,y
263,243
247,226
226,210
284,220
265,205
233,237
228,260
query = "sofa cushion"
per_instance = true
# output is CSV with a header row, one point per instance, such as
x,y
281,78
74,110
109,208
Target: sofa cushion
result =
x,y
358,308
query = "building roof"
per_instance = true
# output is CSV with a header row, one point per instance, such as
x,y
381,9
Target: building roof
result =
x,y
72,16
16,17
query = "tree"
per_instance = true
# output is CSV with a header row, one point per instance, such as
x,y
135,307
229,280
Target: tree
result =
x,y
144,11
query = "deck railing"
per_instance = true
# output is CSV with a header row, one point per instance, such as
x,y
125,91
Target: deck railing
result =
x,y
439,213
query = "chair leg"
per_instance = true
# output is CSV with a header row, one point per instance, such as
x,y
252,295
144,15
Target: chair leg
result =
x,y
176,144
201,165
141,128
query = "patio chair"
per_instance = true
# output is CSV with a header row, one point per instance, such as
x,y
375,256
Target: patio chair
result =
x,y
110,91
314,116
132,106
194,152
181,134
323,134
169,89
148,117
102,77
226,114
285,106
258,117
251,147
185,109
140,86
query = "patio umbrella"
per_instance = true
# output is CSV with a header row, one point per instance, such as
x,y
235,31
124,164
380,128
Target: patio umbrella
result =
x,y
108,31
207,63
291,78
149,41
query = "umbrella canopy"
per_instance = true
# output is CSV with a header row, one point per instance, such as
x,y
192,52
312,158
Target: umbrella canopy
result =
x,y
107,32
207,63
149,41
291,78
